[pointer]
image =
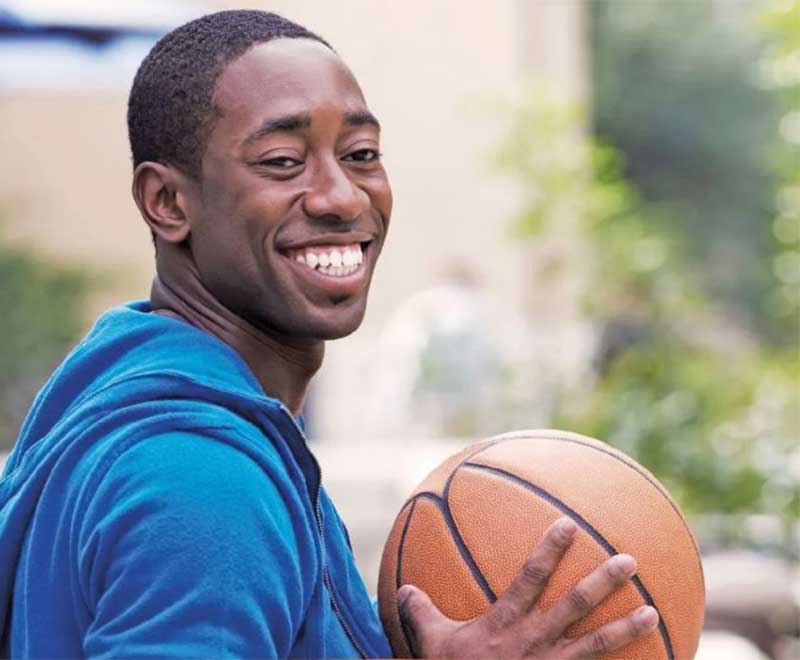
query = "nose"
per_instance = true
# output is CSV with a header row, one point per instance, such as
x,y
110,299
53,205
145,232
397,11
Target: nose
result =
x,y
333,193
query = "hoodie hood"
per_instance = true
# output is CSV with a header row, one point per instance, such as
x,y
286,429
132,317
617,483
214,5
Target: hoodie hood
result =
x,y
126,372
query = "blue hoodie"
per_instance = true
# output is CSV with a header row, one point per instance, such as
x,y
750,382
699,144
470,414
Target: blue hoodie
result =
x,y
158,504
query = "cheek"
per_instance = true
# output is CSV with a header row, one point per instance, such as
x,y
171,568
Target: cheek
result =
x,y
380,192
237,224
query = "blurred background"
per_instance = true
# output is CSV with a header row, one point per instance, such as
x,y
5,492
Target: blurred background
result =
x,y
597,228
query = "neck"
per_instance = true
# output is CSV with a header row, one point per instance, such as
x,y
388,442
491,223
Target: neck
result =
x,y
282,365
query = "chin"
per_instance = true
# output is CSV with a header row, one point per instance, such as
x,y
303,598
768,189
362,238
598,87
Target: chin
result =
x,y
337,330
326,324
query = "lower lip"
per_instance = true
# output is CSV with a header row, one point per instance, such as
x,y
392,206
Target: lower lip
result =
x,y
343,285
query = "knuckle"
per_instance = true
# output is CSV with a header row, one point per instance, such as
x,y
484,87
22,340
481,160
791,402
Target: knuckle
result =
x,y
580,601
600,643
495,647
498,618
537,642
534,574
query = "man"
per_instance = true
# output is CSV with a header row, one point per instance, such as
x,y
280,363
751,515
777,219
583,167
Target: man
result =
x,y
161,499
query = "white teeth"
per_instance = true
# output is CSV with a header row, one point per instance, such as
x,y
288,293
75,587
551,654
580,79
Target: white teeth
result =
x,y
338,271
336,262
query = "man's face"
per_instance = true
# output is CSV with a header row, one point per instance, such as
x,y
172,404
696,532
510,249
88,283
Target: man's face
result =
x,y
293,205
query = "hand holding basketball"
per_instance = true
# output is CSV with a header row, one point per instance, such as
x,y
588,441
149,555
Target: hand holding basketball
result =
x,y
514,628
467,537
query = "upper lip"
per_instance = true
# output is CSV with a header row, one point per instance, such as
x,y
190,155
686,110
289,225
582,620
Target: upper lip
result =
x,y
340,239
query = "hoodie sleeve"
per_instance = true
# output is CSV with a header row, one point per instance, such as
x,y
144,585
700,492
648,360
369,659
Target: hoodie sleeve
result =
x,y
189,549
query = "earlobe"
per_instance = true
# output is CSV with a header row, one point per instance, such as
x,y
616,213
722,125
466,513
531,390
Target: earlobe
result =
x,y
158,191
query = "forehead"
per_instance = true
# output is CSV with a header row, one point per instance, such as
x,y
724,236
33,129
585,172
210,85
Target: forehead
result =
x,y
285,77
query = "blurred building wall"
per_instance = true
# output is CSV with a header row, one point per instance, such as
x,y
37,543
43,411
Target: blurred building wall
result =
x,y
65,188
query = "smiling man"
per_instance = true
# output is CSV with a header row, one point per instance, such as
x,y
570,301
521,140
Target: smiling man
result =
x,y
161,500
268,243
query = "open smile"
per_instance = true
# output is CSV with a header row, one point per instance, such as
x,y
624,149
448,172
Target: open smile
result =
x,y
339,269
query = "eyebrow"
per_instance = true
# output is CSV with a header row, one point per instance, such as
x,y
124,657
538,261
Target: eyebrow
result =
x,y
291,123
285,124
361,119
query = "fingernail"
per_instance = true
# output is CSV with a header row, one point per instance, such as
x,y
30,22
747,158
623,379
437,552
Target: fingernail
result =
x,y
566,528
623,565
646,616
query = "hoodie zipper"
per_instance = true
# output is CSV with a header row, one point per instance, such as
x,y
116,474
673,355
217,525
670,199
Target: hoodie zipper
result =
x,y
326,578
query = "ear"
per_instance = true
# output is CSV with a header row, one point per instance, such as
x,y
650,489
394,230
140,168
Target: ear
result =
x,y
160,192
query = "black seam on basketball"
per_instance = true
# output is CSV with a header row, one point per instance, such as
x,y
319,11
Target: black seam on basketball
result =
x,y
464,460
578,441
444,506
478,450
463,550
633,466
435,496
588,528
398,572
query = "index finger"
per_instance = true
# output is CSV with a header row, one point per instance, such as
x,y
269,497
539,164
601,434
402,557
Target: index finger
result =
x,y
526,588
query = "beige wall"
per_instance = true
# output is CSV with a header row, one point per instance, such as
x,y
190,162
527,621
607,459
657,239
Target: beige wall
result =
x,y
65,187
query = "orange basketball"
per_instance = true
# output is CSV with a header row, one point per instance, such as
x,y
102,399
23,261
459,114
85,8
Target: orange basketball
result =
x,y
469,526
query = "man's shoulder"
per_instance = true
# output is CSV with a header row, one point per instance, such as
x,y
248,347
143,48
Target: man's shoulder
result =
x,y
131,340
205,469
180,489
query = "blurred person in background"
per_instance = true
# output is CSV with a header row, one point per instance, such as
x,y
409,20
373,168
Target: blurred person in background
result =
x,y
161,499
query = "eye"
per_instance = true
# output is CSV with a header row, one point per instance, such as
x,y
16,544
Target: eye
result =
x,y
364,156
281,162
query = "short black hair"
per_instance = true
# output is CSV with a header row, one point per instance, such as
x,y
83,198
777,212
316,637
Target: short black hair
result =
x,y
170,108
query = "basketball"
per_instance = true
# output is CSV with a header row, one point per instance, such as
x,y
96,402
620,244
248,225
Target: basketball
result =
x,y
469,526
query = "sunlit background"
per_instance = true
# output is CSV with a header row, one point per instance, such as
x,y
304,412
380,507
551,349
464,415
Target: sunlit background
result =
x,y
597,228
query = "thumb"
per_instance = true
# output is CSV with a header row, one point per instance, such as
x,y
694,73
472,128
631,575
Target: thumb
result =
x,y
419,616
415,606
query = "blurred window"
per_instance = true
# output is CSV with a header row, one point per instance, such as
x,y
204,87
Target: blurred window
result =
x,y
89,46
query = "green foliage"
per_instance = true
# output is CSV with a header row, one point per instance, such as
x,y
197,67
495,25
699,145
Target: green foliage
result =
x,y
551,160
717,429
681,382
781,20
677,89
42,318
636,268
781,72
